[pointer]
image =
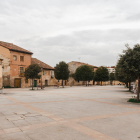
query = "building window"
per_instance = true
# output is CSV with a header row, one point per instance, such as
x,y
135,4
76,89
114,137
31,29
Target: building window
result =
x,y
21,58
21,72
14,57
26,80
43,72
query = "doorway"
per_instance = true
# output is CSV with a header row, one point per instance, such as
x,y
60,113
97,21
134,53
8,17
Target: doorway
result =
x,y
35,83
17,83
46,82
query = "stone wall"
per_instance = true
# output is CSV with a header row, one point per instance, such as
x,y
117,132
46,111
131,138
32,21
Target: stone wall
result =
x,y
1,81
5,55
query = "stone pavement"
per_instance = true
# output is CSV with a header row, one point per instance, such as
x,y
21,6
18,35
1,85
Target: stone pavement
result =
x,y
71,113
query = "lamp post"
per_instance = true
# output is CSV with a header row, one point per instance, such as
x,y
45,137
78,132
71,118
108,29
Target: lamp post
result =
x,y
41,77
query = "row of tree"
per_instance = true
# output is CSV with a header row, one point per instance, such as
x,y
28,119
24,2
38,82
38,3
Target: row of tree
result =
x,y
83,73
128,66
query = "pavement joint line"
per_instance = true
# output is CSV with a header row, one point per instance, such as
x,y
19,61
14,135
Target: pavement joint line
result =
x,y
90,132
40,111
70,121
114,104
103,102
78,127
102,116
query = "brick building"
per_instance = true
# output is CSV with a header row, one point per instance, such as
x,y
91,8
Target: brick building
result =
x,y
47,74
15,60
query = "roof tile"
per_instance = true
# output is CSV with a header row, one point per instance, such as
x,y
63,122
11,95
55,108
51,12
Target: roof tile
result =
x,y
13,47
41,64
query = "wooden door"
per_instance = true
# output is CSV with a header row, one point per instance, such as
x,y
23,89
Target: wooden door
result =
x,y
46,82
35,83
17,83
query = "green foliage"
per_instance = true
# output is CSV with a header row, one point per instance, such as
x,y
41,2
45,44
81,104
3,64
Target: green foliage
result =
x,y
84,73
7,87
102,74
61,71
133,100
32,71
112,76
126,68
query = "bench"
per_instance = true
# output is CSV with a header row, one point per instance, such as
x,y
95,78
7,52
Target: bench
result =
x,y
40,87
89,84
56,86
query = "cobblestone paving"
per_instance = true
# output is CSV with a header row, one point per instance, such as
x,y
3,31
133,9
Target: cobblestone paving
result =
x,y
70,113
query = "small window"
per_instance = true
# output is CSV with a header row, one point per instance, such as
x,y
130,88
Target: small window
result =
x,y
43,72
21,58
14,57
39,81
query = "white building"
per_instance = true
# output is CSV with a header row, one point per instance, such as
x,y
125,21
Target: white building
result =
x,y
111,69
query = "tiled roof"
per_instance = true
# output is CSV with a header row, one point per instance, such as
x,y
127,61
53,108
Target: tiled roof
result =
x,y
13,47
83,64
41,64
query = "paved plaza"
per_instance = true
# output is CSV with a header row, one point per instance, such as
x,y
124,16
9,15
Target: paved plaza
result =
x,y
70,113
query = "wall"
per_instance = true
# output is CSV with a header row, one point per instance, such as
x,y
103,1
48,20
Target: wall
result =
x,y
1,79
72,68
47,76
15,67
5,55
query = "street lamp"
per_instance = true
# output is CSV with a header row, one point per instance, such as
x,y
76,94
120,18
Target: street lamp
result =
x,y
41,77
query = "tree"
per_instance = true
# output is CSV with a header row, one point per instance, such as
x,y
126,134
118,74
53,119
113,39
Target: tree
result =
x,y
111,77
32,72
131,65
128,63
101,74
120,75
84,73
61,71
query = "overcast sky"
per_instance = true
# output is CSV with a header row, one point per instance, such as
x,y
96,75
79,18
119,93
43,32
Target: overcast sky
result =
x,y
95,31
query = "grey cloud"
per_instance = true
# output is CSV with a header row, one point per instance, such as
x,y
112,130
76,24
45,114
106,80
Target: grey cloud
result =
x,y
96,47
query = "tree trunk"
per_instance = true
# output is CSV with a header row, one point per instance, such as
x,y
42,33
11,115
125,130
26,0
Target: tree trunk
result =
x,y
101,83
62,84
32,83
86,83
138,89
129,86
93,82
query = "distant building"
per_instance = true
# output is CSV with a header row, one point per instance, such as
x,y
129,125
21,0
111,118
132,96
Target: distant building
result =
x,y
111,69
73,65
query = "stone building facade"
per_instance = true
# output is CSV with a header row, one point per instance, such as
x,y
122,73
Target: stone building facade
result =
x,y
47,74
15,60
1,79
73,65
